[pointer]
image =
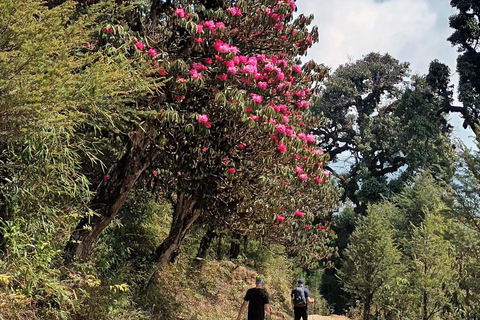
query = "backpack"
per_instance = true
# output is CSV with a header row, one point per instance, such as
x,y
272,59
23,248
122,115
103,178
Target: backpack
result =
x,y
298,295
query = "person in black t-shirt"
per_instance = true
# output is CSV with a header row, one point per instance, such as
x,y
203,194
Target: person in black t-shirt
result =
x,y
257,300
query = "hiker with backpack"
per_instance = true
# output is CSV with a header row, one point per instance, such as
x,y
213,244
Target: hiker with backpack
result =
x,y
257,301
300,299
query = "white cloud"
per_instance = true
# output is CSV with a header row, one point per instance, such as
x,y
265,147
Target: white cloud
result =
x,y
414,31
407,29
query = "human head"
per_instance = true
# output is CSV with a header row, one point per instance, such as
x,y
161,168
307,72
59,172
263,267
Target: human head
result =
x,y
301,282
259,281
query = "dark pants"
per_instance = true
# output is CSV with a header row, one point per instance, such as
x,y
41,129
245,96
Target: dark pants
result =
x,y
300,313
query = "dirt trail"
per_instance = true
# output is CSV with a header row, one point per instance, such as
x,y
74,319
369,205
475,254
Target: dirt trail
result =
x,y
332,317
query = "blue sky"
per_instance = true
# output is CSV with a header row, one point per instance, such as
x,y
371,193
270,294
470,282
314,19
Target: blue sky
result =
x,y
415,31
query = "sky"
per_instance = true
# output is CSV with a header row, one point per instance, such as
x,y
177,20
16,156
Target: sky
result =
x,y
414,31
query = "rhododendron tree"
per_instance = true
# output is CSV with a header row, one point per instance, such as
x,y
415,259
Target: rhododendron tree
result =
x,y
242,84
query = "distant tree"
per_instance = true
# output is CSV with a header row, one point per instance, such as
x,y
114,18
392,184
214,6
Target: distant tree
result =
x,y
387,126
371,260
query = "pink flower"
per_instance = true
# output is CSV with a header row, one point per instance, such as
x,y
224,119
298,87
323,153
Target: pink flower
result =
x,y
274,137
162,72
248,109
226,160
299,213
298,169
241,146
297,157
208,125
154,173
302,103
106,177
281,128
282,148
272,121
194,73
283,37
279,26
254,117
256,97
152,52
290,132
234,11
286,119
297,68
180,12
208,61
280,218
139,45
322,227
320,164
222,77
232,70
209,24
220,46
200,28
220,25
249,69
232,170
198,40
311,138
302,136
280,76
205,149
292,4
307,227
202,118
198,66
268,67
303,177
327,174
318,180
262,85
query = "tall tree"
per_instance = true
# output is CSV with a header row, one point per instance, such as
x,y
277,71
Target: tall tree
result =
x,y
431,272
466,37
372,260
387,126
227,87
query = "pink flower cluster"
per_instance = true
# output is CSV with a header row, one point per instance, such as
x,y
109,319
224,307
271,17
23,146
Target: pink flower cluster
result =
x,y
180,12
203,118
234,11
223,47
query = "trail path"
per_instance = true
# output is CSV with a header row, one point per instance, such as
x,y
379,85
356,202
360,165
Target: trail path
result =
x,y
332,317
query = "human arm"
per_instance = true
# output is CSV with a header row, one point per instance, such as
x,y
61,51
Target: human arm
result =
x,y
242,308
307,295
268,309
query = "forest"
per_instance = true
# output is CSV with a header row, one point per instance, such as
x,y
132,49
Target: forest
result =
x,y
158,156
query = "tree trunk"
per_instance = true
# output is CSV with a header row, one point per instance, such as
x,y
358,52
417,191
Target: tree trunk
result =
x,y
235,246
425,305
184,216
219,248
205,243
366,306
110,197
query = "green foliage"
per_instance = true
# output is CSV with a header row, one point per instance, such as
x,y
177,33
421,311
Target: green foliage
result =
x,y
391,125
466,23
430,268
372,260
